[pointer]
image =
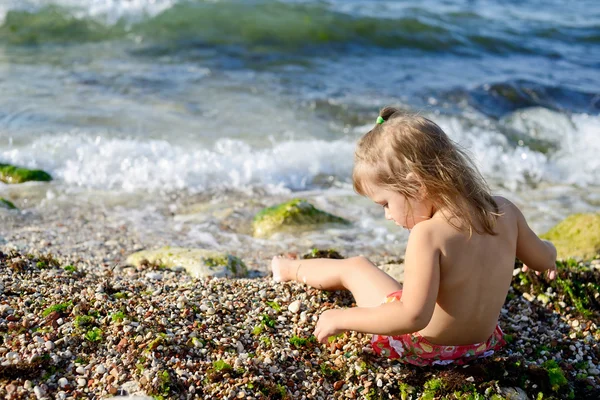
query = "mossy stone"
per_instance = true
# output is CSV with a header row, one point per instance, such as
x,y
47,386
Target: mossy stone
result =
x,y
292,214
197,262
11,174
7,204
577,236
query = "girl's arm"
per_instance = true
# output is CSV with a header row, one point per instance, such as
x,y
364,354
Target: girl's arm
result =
x,y
421,283
537,254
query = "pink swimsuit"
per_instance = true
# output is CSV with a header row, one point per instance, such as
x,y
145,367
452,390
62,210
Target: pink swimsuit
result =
x,y
414,349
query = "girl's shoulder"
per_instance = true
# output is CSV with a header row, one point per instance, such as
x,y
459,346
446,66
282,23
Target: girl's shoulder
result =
x,y
506,208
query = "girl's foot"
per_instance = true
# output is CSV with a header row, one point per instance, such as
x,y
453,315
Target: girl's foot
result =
x,y
280,266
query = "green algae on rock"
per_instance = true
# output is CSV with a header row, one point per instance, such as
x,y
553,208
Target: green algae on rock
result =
x,y
294,213
197,262
578,235
7,204
11,174
319,253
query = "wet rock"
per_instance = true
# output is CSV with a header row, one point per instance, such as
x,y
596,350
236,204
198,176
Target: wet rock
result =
x,y
12,174
293,214
197,262
576,236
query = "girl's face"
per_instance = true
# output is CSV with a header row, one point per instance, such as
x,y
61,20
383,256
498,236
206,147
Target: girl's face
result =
x,y
405,212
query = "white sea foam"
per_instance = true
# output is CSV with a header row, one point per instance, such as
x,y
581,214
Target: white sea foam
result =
x,y
574,162
120,164
110,10
154,165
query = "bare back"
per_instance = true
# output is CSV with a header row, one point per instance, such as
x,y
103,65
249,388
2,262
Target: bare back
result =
x,y
475,274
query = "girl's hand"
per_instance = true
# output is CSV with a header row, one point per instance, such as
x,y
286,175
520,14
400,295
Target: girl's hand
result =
x,y
328,325
552,272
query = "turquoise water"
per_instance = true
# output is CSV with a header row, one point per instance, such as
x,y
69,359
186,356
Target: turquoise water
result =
x,y
163,98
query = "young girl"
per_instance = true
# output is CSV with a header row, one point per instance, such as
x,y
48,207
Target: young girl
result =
x,y
459,258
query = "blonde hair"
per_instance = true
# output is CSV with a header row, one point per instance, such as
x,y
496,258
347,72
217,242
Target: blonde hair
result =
x,y
407,143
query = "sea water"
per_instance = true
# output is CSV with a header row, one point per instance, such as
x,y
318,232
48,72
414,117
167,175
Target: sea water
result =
x,y
217,108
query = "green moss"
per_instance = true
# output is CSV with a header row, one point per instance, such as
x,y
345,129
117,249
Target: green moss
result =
x,y
7,204
431,387
294,213
266,320
118,316
406,390
274,305
266,341
328,371
574,291
83,320
555,374
576,236
82,360
11,174
59,308
232,263
160,339
298,342
221,365
197,262
318,253
257,330
70,268
94,335
120,295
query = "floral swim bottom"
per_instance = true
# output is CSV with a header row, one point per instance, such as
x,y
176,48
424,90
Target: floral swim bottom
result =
x,y
414,349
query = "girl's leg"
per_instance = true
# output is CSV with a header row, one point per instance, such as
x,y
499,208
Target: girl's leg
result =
x,y
368,284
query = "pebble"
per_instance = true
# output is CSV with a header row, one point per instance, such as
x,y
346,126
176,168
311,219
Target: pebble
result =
x,y
294,306
39,392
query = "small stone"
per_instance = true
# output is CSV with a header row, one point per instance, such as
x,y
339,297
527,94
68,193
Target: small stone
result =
x,y
594,371
294,306
49,345
154,276
575,323
39,392
28,385
63,382
338,385
80,370
528,296
100,369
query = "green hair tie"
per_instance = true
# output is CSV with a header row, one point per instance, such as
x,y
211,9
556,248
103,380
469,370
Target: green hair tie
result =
x,y
380,120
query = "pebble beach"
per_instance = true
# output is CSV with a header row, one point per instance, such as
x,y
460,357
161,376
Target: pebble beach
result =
x,y
77,322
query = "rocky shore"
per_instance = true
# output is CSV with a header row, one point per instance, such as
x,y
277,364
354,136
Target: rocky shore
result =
x,y
70,331
77,322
